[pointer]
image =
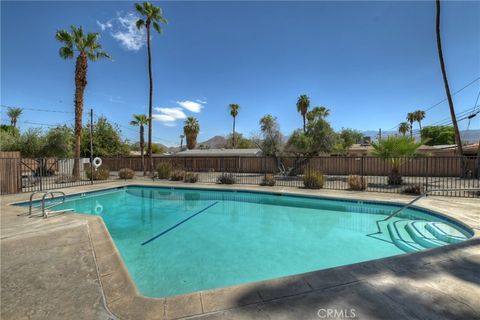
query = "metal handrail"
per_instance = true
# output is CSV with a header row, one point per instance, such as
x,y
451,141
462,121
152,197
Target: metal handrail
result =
x,y
31,200
52,193
424,195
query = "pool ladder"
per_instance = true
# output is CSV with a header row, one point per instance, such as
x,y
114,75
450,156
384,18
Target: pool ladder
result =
x,y
393,214
44,209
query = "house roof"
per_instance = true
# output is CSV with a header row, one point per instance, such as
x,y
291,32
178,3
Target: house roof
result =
x,y
219,153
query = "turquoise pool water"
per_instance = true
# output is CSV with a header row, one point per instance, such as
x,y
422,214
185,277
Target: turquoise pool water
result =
x,y
176,241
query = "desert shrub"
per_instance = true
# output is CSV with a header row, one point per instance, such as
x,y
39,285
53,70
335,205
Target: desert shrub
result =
x,y
413,189
357,183
164,170
268,180
102,173
177,175
65,178
126,173
226,178
191,177
313,180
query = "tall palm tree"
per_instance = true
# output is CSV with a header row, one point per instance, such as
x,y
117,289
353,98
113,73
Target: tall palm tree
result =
x,y
458,139
303,103
152,16
181,141
87,48
403,128
411,118
234,113
141,120
14,113
419,116
191,130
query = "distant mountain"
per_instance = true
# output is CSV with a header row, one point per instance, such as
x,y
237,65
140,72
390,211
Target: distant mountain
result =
x,y
215,142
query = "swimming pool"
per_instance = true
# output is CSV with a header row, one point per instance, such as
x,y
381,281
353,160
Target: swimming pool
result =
x,y
178,240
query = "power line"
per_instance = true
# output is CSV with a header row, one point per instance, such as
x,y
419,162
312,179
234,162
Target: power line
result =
x,y
38,109
442,101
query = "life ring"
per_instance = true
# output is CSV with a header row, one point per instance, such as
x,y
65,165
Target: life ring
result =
x,y
98,208
97,162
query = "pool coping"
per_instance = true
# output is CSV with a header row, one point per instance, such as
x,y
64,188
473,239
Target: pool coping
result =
x,y
124,300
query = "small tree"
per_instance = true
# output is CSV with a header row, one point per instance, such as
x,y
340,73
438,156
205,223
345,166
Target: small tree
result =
x,y
403,128
395,149
233,107
435,135
141,120
191,130
14,113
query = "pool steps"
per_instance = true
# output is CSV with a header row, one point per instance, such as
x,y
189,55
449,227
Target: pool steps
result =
x,y
411,236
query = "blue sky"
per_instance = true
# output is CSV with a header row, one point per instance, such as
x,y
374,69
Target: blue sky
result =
x,y
369,62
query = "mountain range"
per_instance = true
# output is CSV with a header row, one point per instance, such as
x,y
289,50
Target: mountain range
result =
x,y
216,142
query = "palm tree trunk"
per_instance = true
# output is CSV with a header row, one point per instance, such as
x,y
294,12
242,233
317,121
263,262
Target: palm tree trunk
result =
x,y
150,99
80,84
233,135
411,130
142,146
304,126
458,139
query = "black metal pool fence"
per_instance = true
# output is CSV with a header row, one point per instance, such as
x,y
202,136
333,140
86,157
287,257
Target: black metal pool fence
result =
x,y
400,175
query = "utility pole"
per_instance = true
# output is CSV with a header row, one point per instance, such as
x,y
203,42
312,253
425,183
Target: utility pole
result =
x,y
91,146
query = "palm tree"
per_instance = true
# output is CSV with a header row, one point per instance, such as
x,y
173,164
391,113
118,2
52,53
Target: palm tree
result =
x,y
233,112
445,82
88,48
403,128
152,16
191,130
181,141
395,150
419,116
140,120
411,118
303,103
14,113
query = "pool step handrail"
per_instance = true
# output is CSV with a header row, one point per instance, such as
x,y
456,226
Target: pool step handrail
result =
x,y
44,209
426,193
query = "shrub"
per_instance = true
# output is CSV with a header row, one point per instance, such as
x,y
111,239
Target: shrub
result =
x,y
191,177
413,189
177,175
164,170
126,173
357,183
102,173
226,178
268,180
313,180
65,178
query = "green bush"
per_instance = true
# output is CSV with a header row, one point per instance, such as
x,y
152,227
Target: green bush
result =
x,y
126,173
177,175
357,183
102,173
191,177
268,180
226,178
164,170
313,180
414,189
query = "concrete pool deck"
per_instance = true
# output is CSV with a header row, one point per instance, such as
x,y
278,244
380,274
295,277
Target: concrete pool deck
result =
x,y
67,267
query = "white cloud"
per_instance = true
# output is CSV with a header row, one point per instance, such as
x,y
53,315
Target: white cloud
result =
x,y
193,106
107,25
126,32
176,113
169,116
